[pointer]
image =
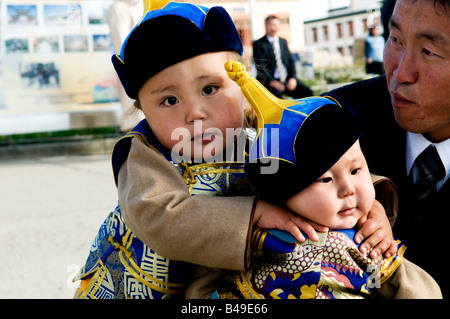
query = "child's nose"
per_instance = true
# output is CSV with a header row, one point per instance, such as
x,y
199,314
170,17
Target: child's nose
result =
x,y
195,112
347,188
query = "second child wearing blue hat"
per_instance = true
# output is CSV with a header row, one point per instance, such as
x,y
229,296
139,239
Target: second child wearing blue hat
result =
x,y
323,176
174,215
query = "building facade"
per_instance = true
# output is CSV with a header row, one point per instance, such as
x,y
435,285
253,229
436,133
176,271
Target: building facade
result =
x,y
246,17
338,39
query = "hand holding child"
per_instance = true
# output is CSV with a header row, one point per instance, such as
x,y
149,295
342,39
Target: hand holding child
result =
x,y
276,217
375,230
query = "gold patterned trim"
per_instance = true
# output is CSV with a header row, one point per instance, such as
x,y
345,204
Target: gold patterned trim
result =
x,y
245,288
391,264
94,282
136,275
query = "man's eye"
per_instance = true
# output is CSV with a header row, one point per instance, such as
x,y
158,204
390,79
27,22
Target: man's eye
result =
x,y
428,53
208,90
395,40
170,101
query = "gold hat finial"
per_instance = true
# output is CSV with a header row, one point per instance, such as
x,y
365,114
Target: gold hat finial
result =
x,y
154,5
268,108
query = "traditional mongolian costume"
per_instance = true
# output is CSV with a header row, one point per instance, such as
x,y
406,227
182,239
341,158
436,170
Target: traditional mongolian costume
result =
x,y
121,265
313,133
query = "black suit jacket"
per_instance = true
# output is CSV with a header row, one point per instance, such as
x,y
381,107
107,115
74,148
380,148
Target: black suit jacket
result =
x,y
264,58
384,145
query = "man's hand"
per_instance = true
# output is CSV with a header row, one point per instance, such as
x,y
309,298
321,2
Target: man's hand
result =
x,y
376,232
291,84
277,85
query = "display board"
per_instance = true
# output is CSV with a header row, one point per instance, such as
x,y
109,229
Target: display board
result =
x,y
55,56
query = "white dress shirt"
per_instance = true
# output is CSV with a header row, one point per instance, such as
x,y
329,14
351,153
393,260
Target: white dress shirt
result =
x,y
416,144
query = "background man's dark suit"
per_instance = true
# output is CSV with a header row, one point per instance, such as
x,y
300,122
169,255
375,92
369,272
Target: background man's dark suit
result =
x,y
264,58
384,145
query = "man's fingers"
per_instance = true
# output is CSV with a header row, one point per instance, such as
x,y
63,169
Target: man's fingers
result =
x,y
379,244
392,249
368,227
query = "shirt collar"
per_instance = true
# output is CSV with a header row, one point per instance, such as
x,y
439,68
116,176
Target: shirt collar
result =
x,y
272,39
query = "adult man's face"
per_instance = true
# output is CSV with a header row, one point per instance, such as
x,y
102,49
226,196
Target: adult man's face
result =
x,y
272,27
417,64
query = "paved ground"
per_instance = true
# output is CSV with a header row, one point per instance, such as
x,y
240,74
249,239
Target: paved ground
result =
x,y
51,208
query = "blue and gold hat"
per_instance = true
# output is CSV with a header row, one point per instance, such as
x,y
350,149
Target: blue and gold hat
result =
x,y
171,32
297,140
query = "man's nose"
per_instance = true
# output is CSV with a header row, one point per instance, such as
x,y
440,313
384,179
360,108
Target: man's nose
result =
x,y
406,70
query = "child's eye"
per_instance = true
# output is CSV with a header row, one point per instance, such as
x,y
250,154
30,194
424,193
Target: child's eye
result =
x,y
325,180
356,171
170,101
209,89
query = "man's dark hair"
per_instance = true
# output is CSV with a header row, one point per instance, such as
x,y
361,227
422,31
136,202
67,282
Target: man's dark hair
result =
x,y
271,17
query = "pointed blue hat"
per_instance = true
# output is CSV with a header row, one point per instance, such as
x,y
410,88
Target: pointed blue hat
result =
x,y
171,32
297,140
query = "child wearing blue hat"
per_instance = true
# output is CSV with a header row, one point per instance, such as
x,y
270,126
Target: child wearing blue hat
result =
x,y
321,175
186,209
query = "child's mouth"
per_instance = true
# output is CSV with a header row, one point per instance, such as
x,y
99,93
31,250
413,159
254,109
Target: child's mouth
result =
x,y
204,138
347,211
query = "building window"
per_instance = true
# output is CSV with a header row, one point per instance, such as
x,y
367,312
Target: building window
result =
x,y
366,28
314,31
350,28
242,23
340,34
325,32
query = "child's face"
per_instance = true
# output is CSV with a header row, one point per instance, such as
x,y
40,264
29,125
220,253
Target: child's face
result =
x,y
197,89
341,196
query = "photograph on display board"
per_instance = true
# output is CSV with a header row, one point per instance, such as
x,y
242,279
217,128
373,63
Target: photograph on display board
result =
x,y
22,14
17,45
105,90
46,44
75,43
39,75
62,14
102,42
96,12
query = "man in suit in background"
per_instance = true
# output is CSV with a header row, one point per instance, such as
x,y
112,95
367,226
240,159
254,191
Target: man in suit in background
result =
x,y
407,113
275,64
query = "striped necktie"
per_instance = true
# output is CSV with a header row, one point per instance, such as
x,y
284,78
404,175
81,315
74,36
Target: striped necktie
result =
x,y
431,170
281,68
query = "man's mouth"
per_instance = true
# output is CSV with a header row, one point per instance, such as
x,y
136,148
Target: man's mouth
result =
x,y
399,100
